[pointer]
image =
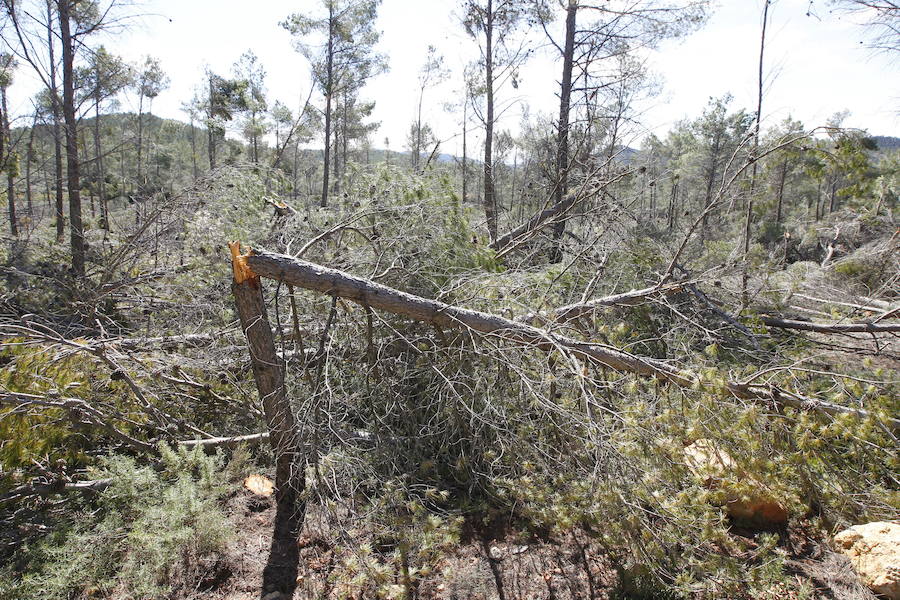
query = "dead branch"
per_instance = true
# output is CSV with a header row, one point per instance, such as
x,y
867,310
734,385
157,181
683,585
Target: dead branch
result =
x,y
571,312
226,442
830,327
56,487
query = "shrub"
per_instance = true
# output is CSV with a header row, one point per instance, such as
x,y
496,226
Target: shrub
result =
x,y
146,539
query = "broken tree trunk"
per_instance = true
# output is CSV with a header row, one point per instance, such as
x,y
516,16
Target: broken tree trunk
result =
x,y
300,273
280,573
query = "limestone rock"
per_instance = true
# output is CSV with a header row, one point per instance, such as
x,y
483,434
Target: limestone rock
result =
x,y
747,499
874,551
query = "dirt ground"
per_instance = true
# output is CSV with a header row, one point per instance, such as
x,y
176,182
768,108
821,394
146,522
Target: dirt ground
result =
x,y
478,568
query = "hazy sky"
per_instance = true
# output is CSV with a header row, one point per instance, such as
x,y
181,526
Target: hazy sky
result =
x,y
816,64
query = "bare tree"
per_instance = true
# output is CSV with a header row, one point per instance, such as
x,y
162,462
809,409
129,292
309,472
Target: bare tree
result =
x,y
882,19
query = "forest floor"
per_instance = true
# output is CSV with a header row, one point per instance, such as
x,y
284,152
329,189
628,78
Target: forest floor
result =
x,y
492,563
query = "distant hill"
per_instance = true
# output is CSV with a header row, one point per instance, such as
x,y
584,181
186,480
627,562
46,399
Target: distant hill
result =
x,y
886,143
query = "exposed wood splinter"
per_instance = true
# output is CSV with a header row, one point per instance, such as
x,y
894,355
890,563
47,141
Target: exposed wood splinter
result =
x,y
242,271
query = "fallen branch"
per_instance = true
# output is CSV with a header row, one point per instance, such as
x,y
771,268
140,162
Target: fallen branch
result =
x,y
830,327
46,489
571,312
227,442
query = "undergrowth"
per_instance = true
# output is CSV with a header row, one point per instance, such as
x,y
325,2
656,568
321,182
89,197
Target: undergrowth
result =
x,y
146,536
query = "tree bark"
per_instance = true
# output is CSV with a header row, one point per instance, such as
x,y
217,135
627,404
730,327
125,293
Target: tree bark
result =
x,y
76,227
489,201
6,155
280,573
562,144
329,84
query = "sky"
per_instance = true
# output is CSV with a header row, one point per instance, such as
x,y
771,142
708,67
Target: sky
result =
x,y
815,63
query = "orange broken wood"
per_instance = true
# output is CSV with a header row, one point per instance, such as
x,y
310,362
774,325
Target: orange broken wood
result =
x,y
242,271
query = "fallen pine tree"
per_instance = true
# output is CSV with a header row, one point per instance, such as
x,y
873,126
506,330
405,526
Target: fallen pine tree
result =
x,y
303,274
269,368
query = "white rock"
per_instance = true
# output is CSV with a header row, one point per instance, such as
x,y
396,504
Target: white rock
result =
x,y
874,551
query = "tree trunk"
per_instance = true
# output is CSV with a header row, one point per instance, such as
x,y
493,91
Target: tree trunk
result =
x,y
782,176
562,141
29,156
140,140
101,176
329,83
194,150
255,139
280,573
57,130
344,142
72,165
6,154
417,151
754,156
295,191
210,126
336,151
489,202
83,151
465,159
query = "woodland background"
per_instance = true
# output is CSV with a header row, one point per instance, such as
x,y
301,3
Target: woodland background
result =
x,y
682,381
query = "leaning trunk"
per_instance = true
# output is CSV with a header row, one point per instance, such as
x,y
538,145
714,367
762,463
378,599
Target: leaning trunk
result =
x,y
280,573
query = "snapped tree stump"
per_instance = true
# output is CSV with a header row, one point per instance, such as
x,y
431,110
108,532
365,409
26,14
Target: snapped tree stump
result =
x,y
280,573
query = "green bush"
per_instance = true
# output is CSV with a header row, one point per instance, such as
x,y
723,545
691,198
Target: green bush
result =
x,y
146,539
